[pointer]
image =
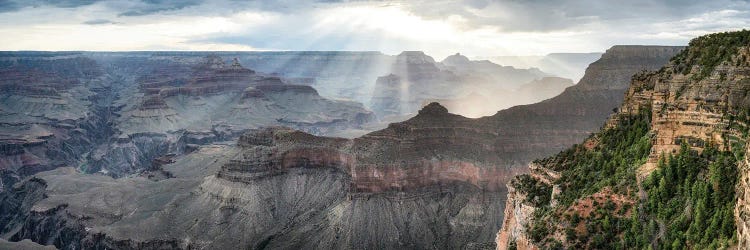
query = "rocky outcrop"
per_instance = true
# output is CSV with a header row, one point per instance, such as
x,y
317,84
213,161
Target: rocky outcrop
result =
x,y
554,124
217,98
686,103
480,88
507,77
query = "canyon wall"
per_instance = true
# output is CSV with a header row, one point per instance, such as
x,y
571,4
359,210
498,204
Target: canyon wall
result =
x,y
688,105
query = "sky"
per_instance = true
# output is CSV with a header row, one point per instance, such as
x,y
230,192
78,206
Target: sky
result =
x,y
477,28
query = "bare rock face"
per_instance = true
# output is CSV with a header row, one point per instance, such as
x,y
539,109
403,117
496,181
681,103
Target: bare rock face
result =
x,y
479,88
212,96
396,158
518,215
507,77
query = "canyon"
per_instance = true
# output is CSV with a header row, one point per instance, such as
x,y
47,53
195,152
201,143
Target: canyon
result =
x,y
217,181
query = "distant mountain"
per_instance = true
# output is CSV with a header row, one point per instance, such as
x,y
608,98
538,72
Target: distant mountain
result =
x,y
416,79
507,77
354,76
486,103
568,65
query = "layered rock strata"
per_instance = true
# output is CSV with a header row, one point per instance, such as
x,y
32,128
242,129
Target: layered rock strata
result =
x,y
282,188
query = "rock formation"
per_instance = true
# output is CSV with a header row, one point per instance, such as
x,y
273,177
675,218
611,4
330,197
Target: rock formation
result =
x,y
693,108
283,188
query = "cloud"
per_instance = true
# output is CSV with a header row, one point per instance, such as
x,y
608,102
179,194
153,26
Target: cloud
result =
x,y
100,21
147,7
14,5
439,27
552,15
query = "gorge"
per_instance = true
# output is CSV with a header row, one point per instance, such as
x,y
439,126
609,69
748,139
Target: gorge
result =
x,y
434,180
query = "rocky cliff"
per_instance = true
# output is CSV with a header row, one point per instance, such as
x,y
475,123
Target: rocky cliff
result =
x,y
661,172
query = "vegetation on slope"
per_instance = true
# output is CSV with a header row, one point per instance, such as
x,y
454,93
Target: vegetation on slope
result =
x,y
690,202
710,51
690,199
611,163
